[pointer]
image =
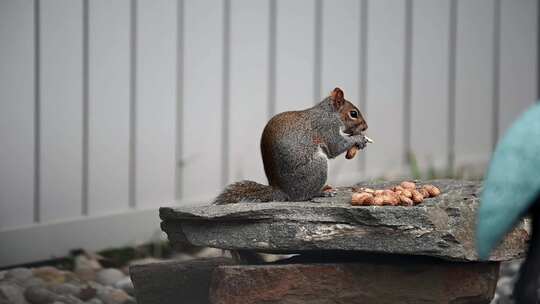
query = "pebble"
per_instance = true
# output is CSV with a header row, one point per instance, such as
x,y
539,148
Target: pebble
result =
x,y
69,299
109,276
86,268
126,285
32,282
66,289
11,293
50,274
39,295
18,275
111,297
87,293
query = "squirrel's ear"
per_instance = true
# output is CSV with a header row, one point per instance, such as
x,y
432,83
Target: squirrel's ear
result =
x,y
337,97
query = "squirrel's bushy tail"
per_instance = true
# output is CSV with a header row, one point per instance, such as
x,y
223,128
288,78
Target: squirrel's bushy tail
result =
x,y
249,191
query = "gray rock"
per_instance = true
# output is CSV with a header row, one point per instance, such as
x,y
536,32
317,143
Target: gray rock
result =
x,y
66,289
86,267
94,301
126,285
114,296
18,275
11,293
39,295
69,299
2,274
173,281
88,292
109,276
441,227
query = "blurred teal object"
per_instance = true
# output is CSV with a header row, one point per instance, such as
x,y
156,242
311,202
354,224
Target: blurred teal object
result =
x,y
512,182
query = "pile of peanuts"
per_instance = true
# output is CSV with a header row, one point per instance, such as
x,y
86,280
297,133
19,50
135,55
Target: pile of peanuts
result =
x,y
406,194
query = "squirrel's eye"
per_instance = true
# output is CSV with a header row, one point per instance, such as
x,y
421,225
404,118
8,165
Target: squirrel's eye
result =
x,y
354,114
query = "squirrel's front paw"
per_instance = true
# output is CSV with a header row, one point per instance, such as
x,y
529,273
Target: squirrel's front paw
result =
x,y
363,141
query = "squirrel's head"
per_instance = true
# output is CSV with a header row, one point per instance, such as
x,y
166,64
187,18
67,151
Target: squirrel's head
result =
x,y
351,117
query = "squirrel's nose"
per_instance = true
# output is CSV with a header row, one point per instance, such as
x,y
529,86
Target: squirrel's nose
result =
x,y
363,126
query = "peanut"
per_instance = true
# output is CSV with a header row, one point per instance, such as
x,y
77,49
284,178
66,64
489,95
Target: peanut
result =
x,y
424,192
379,192
417,197
408,185
351,152
378,200
407,193
361,199
432,190
368,190
398,188
405,201
394,200
389,192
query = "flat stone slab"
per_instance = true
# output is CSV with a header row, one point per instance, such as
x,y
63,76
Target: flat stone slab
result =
x,y
349,283
440,227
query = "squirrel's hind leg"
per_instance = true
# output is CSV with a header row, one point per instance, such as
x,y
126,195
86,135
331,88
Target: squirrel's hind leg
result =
x,y
306,181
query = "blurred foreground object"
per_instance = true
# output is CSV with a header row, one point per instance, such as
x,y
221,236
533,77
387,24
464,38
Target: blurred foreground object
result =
x,y
511,192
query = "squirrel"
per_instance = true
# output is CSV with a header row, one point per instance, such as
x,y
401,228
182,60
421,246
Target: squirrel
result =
x,y
295,148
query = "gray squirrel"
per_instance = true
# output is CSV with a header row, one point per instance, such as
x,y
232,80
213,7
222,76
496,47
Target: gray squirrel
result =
x,y
295,148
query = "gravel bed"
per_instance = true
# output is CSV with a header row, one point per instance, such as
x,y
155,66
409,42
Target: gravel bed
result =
x,y
88,283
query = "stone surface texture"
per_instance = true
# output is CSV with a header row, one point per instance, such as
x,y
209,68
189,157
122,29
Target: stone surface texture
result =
x,y
440,227
355,283
174,281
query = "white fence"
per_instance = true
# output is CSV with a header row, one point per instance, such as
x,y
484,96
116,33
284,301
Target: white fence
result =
x,y
110,109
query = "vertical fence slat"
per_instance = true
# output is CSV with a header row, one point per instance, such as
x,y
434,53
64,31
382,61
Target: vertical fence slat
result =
x,y
518,62
61,109
272,47
362,69
429,94
385,86
248,99
474,83
16,113
340,55
295,55
202,96
133,73
225,92
108,106
179,171
156,102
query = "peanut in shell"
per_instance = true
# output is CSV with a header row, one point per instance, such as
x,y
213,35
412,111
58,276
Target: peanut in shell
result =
x,y
361,199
